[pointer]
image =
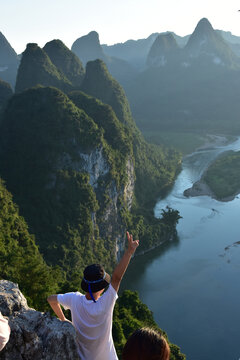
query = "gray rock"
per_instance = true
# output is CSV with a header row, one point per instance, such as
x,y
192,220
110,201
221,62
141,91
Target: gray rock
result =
x,y
34,335
199,188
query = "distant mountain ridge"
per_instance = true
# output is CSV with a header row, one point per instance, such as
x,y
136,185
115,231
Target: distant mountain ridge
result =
x,y
66,61
203,44
36,68
8,61
197,90
164,49
206,42
123,60
183,66
136,51
88,48
8,54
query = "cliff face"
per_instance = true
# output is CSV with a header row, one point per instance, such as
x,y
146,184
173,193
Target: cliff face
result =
x,y
111,197
34,335
111,224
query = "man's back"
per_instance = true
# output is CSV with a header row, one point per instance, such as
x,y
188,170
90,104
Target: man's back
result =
x,y
93,323
92,313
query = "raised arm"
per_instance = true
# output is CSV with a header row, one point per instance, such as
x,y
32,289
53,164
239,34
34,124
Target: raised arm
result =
x,y
123,263
52,300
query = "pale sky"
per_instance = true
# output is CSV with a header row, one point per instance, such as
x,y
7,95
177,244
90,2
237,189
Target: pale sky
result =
x,y
39,21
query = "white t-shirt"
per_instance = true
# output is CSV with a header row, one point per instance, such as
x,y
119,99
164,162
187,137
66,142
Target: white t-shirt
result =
x,y
93,323
4,332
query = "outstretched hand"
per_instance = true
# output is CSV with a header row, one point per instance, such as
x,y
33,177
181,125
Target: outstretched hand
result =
x,y
132,244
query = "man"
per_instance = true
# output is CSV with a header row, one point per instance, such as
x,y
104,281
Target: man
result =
x,y
4,331
92,313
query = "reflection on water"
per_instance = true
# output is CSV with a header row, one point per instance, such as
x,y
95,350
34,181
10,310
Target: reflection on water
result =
x,y
192,286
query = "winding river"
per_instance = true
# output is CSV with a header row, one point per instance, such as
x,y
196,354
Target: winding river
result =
x,y
192,286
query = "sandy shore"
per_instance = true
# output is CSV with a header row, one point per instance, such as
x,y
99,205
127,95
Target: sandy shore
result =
x,y
215,141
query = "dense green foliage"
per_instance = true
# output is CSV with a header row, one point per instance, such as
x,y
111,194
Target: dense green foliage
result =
x,y
131,314
54,196
115,133
20,260
156,169
36,68
65,61
100,84
223,176
152,232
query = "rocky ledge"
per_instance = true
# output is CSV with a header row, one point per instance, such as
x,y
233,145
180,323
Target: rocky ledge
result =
x,y
199,188
34,335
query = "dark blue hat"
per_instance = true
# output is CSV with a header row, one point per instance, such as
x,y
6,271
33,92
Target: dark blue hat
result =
x,y
96,277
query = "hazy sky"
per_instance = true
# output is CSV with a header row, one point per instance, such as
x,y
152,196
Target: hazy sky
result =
x,y
24,21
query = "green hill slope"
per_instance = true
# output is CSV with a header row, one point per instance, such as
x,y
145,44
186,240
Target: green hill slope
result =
x,y
65,61
69,179
155,167
36,68
20,260
99,83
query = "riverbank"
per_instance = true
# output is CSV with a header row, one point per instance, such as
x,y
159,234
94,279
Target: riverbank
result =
x,y
192,283
200,188
220,180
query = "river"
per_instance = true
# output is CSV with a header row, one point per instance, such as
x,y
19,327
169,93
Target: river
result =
x,y
192,286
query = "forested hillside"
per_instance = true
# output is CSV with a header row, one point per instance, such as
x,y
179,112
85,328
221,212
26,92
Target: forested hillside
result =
x,y
20,259
223,175
94,146
21,262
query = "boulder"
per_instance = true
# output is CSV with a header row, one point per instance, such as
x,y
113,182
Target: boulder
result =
x,y
34,335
